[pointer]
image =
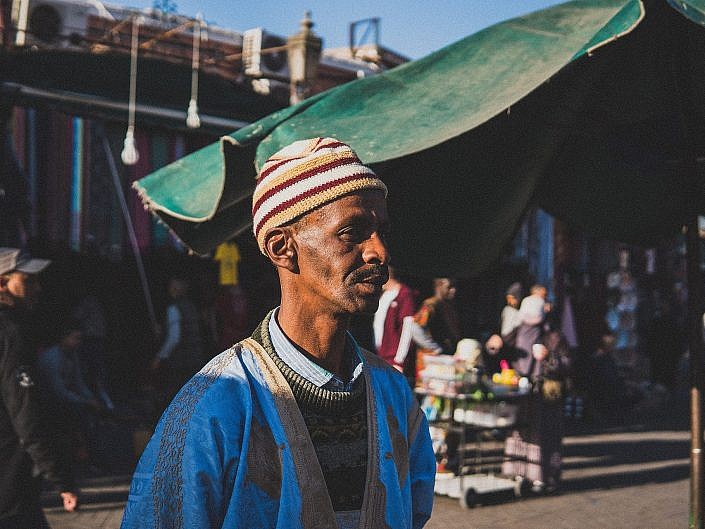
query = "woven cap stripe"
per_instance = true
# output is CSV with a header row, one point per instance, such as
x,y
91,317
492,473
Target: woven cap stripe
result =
x,y
288,180
291,167
274,163
301,194
304,204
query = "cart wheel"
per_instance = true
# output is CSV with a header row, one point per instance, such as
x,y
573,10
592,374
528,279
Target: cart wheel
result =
x,y
469,499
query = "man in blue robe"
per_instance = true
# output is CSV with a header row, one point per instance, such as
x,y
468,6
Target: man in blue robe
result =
x,y
297,426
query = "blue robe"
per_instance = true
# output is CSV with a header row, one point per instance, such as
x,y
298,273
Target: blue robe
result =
x,y
232,451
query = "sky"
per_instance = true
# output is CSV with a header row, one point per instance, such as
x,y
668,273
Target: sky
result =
x,y
412,28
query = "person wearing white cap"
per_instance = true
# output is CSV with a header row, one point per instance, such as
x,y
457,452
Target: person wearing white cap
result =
x,y
298,427
23,433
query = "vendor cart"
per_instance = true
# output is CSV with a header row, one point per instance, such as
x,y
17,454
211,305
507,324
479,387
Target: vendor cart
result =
x,y
473,421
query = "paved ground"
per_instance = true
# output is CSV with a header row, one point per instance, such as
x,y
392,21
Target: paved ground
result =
x,y
615,480
636,478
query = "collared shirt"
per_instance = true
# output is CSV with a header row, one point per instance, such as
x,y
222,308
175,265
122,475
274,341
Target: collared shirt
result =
x,y
308,369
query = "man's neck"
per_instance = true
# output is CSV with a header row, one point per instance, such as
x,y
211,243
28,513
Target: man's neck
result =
x,y
321,335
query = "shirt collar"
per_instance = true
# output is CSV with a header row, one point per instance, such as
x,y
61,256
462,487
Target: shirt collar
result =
x,y
308,369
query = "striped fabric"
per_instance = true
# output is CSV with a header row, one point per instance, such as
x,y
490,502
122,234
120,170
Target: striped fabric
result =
x,y
303,176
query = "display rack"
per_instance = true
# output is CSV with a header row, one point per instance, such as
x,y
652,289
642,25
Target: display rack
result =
x,y
475,420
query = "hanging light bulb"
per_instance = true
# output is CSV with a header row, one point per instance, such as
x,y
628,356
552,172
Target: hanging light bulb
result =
x,y
192,119
129,153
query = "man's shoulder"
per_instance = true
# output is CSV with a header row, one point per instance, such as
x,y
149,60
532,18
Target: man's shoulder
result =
x,y
426,311
212,390
226,365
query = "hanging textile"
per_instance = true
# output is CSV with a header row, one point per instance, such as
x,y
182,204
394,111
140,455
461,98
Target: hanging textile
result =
x,y
76,185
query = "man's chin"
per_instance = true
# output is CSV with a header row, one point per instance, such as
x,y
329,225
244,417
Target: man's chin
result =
x,y
367,305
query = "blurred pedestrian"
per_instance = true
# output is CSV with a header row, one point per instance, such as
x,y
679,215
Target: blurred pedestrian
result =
x,y
90,315
28,445
533,311
438,319
181,353
396,303
533,451
510,320
73,406
609,395
663,344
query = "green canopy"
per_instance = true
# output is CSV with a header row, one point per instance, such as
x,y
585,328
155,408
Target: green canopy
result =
x,y
579,108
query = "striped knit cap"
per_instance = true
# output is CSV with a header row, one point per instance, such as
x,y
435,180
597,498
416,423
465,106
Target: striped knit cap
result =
x,y
303,176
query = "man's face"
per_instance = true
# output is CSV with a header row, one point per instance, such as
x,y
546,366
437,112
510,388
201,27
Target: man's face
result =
x,y
24,288
342,253
446,289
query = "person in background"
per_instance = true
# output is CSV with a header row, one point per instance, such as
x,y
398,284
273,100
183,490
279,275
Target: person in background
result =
x,y
28,445
510,319
181,353
438,319
60,367
90,315
533,451
663,344
608,398
533,312
74,407
298,426
396,303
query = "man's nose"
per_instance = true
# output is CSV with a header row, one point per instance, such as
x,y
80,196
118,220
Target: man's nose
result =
x,y
375,250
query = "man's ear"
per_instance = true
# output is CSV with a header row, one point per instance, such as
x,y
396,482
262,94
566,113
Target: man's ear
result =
x,y
281,248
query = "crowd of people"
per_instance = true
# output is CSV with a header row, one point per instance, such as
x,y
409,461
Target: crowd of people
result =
x,y
567,382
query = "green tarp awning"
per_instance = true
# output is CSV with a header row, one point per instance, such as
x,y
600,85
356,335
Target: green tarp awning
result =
x,y
579,108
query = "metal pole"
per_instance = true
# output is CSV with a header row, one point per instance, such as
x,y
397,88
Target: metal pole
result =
x,y
130,231
695,345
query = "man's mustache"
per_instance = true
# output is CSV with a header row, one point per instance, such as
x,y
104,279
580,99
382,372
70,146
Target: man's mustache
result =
x,y
375,273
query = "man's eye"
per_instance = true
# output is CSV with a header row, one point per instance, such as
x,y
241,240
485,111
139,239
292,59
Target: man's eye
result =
x,y
352,234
